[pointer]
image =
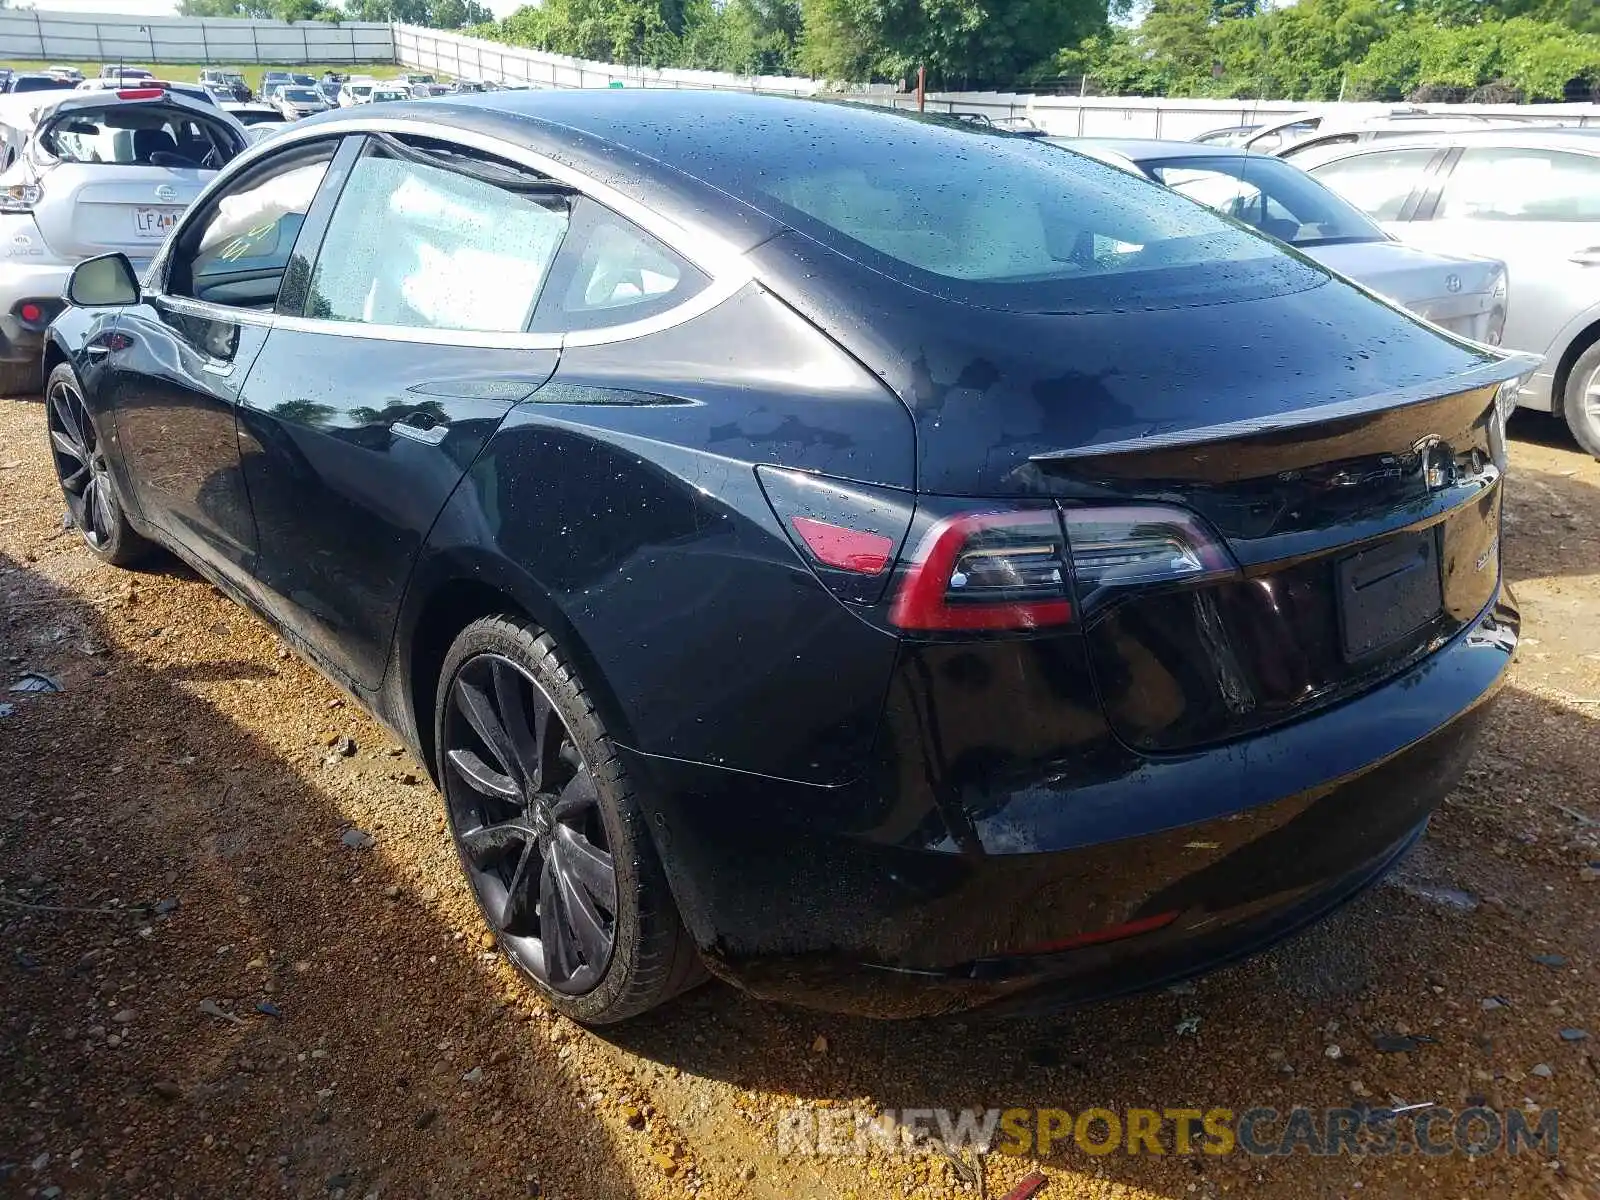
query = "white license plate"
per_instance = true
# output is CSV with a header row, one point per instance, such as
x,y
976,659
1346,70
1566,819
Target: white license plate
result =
x,y
154,222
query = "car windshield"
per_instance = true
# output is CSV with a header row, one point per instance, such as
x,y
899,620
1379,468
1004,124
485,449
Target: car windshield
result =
x,y
39,83
360,89
136,135
300,95
1270,195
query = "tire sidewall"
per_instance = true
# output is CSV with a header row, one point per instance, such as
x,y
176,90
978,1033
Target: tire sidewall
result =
x,y
123,546
1584,428
536,653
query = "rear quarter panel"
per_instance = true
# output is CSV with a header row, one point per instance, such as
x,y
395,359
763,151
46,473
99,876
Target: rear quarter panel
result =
x,y
622,500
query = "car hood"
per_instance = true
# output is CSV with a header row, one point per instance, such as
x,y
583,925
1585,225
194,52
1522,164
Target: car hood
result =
x,y
1406,274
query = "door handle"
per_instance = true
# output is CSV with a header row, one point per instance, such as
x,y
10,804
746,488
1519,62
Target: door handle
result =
x,y
1588,257
421,427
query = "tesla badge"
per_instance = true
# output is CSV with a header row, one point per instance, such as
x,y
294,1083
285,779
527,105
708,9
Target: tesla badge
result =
x,y
1452,283
167,194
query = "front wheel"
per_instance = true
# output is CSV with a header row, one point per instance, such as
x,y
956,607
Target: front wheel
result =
x,y
548,830
93,506
1581,404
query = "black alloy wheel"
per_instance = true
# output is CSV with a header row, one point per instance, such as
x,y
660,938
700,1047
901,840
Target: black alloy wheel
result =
x,y
93,506
526,812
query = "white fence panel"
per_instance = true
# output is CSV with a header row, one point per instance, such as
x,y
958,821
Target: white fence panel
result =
x,y
475,58
105,37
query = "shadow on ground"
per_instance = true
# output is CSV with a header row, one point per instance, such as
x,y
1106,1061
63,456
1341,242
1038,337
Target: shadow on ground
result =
x,y
128,790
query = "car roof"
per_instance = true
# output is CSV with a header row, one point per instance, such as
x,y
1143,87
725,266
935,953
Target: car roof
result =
x,y
1584,140
683,154
27,109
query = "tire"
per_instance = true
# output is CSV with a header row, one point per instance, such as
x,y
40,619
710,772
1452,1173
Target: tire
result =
x,y
526,794
94,506
19,379
1580,406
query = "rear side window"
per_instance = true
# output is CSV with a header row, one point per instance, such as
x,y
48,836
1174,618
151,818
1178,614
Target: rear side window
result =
x,y
421,241
613,273
1379,182
1509,183
157,135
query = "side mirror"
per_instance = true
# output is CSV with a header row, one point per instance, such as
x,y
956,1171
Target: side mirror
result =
x,y
104,282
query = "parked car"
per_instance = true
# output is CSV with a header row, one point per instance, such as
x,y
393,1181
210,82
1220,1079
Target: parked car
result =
x,y
31,81
1236,135
274,79
1532,196
1462,294
356,91
414,77
86,172
128,87
227,85
905,588
330,92
297,102
64,72
255,113
1305,133
123,71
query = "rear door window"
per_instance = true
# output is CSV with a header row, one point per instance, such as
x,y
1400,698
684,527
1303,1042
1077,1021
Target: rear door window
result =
x,y
429,236
1515,183
1378,182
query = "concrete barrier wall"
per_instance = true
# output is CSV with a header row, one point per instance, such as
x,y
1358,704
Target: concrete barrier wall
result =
x,y
98,37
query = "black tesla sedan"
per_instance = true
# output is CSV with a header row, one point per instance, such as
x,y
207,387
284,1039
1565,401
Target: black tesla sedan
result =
x,y
896,564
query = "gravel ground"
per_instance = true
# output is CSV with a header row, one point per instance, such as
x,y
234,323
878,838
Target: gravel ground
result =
x,y
206,990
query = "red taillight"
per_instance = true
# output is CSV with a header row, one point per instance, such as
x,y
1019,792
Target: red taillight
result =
x,y
987,571
30,313
144,93
847,549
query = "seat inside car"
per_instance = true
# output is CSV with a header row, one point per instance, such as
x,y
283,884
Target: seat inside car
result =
x,y
147,143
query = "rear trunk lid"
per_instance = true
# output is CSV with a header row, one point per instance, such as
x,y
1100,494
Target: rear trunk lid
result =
x,y
97,208
1345,455
1458,294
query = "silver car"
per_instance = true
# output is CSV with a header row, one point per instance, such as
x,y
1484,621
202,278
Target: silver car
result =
x,y
1465,295
296,102
86,173
1532,196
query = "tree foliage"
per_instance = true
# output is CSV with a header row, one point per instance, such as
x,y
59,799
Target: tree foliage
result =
x,y
1310,50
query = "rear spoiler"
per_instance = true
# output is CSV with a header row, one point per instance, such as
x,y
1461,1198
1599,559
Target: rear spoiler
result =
x,y
1506,367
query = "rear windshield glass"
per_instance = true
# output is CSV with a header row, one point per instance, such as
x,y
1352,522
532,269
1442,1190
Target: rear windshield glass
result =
x,y
301,95
1270,195
138,135
1004,222
40,83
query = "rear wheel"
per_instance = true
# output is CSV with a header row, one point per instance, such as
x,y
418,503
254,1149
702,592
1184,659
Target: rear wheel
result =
x,y
93,506
1581,404
548,830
